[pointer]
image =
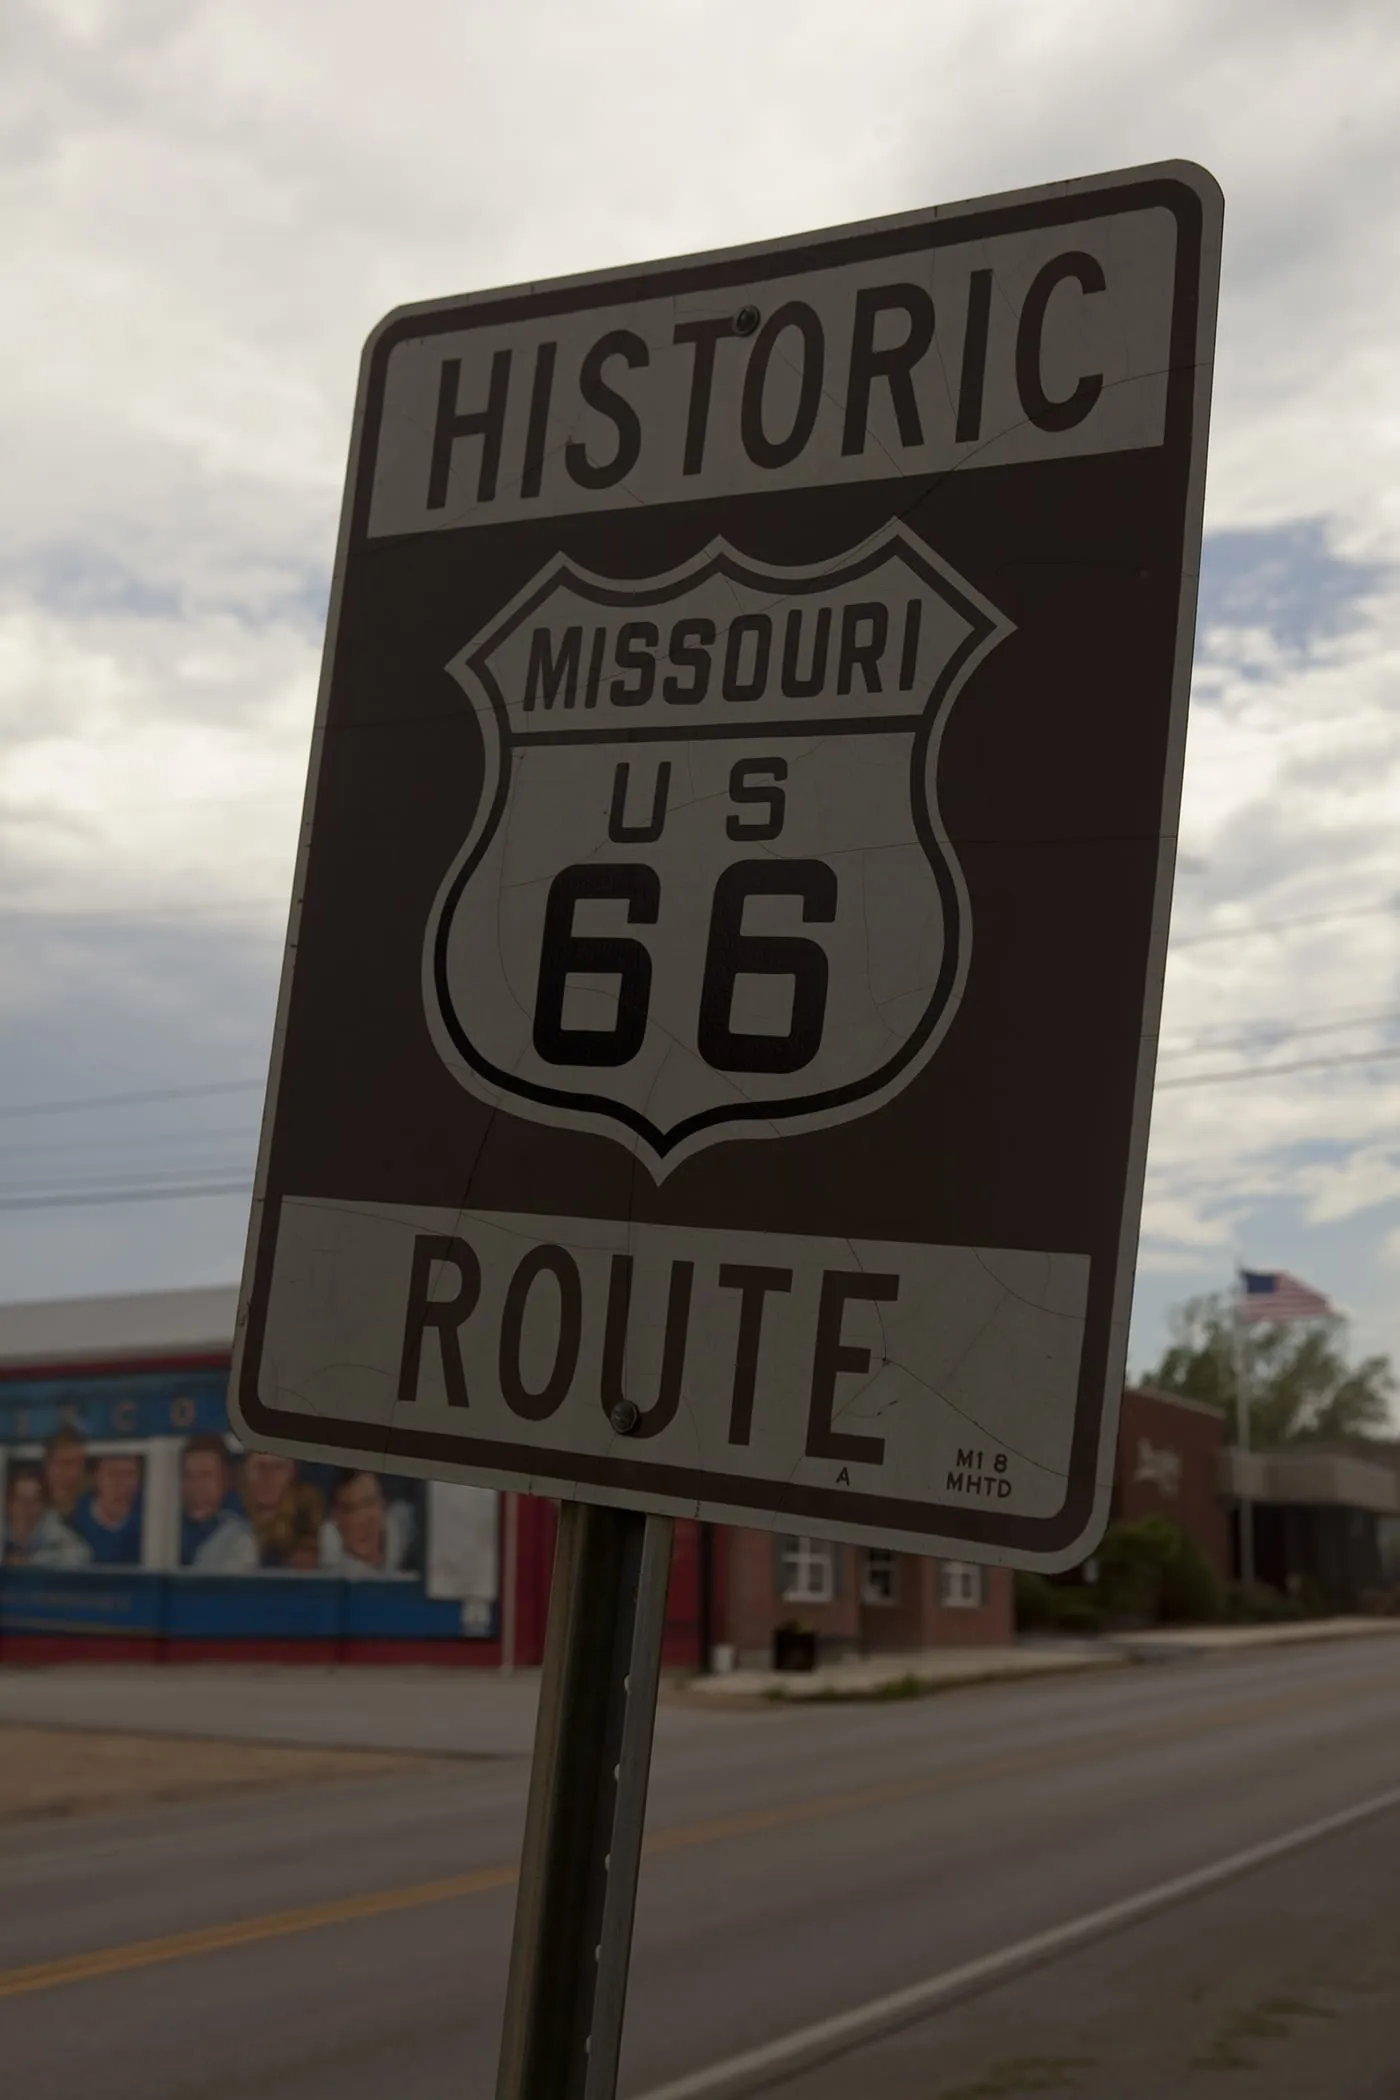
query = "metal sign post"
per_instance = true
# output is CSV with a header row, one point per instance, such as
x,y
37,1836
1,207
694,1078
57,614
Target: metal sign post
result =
x,y
583,1827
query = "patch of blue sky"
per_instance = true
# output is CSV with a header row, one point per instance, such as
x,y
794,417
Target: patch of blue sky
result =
x,y
1286,581
1322,1151
80,582
89,582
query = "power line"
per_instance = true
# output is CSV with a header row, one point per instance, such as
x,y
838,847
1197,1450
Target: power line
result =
x,y
209,1088
1320,918
1285,1031
74,1199
159,1093
175,1176
144,1143
87,1197
238,1086
1301,1064
137,914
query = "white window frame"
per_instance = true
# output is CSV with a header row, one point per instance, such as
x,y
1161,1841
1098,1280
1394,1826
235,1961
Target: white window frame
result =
x,y
809,1571
879,1576
962,1585
160,1530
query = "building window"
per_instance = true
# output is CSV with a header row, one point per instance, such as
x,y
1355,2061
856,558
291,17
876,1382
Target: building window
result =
x,y
961,1585
879,1576
808,1571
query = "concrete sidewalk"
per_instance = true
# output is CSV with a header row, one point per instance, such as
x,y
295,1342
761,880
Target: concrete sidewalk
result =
x,y
936,1669
438,1712
1224,1640
924,1669
469,1713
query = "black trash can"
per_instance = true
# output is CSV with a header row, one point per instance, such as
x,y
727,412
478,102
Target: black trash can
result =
x,y
794,1648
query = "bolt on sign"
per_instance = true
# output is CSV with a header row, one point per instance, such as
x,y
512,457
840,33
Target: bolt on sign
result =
x,y
716,1041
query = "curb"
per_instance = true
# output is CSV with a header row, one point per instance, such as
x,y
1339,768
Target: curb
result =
x,y
891,1691
1114,1652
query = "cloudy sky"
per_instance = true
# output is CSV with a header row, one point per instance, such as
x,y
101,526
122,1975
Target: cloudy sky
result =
x,y
207,203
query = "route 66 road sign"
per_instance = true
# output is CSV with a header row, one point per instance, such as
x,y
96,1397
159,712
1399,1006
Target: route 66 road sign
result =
x,y
716,1040
783,778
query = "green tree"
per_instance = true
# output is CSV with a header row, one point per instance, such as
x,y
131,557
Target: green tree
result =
x,y
1301,1384
1152,1568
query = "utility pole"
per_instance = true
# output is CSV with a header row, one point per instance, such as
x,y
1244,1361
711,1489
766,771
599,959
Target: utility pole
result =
x,y
1246,1505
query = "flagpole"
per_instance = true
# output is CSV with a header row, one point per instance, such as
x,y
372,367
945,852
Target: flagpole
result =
x,y
1246,1506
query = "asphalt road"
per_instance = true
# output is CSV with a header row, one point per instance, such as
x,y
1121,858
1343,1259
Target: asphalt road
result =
x,y
350,1943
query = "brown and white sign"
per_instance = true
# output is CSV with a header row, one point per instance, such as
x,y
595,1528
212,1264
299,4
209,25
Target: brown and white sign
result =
x,y
717,1034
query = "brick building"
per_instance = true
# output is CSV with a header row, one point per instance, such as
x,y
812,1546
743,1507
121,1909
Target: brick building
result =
x,y
857,1600
1169,1460
1326,1519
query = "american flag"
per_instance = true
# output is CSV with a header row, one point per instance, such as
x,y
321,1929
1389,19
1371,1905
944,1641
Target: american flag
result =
x,y
1270,1294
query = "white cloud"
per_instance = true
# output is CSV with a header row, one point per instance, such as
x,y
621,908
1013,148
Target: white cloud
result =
x,y
1155,1261
152,762
1346,1187
1176,1228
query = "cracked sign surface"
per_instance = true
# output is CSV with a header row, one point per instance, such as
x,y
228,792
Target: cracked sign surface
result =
x,y
717,1034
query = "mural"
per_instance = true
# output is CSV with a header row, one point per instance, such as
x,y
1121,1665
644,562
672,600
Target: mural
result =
x,y
242,1511
140,1476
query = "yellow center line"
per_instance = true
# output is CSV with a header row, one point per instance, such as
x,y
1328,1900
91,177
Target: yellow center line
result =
x,y
246,1932
345,1910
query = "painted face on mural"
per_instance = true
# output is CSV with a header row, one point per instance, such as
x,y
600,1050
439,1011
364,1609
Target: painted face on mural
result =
x,y
115,1482
24,1509
65,1472
266,1478
359,1518
203,1484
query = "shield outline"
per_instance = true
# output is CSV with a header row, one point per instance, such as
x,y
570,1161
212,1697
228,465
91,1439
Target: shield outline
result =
x,y
662,1151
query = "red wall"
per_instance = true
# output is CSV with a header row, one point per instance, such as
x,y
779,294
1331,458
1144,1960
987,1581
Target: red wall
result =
x,y
538,1523
1168,1465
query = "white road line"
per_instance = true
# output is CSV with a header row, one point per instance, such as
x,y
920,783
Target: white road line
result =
x,y
754,2068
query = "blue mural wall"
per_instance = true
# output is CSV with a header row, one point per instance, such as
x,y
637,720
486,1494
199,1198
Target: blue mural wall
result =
x,y
129,1509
